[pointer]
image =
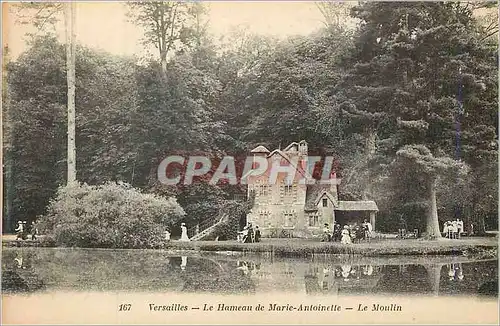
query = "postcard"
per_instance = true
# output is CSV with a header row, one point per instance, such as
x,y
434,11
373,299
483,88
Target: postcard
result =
x,y
230,162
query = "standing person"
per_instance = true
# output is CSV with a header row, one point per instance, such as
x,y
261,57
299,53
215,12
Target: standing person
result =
x,y
19,230
249,237
460,225
184,233
34,231
368,229
167,235
445,229
243,235
450,230
337,232
326,233
454,229
359,232
346,238
471,229
251,233
402,227
257,234
353,232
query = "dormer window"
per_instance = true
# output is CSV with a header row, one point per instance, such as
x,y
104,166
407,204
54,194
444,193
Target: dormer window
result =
x,y
325,202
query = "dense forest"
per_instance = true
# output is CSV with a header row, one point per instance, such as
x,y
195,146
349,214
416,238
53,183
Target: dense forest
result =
x,y
407,101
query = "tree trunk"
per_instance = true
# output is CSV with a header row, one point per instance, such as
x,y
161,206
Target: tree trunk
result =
x,y
163,64
434,277
481,226
432,215
70,66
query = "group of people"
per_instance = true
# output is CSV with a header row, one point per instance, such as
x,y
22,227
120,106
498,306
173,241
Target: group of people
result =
x,y
22,231
249,234
349,233
453,229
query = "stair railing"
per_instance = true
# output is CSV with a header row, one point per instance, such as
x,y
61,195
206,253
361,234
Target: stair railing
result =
x,y
205,225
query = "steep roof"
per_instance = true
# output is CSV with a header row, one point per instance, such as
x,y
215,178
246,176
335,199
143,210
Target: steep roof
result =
x,y
294,144
297,167
290,146
260,149
367,205
312,193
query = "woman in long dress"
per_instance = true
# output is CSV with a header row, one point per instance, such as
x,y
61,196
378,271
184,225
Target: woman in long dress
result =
x,y
346,238
184,233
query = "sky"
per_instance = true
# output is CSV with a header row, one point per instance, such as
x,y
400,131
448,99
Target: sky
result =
x,y
104,25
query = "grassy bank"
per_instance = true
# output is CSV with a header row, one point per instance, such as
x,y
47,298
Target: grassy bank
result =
x,y
479,246
290,247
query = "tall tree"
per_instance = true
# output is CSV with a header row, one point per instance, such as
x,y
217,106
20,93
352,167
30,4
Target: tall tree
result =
x,y
69,19
166,25
336,14
428,61
42,16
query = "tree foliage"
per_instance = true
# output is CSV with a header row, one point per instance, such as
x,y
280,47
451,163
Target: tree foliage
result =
x,y
167,24
112,215
409,97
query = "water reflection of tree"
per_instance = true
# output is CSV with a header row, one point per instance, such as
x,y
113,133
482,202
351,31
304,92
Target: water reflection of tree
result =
x,y
18,274
105,270
405,279
207,275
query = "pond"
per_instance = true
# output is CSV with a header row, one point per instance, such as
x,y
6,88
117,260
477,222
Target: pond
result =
x,y
45,278
39,269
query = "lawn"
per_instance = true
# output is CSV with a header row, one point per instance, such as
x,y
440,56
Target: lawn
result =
x,y
482,246
302,247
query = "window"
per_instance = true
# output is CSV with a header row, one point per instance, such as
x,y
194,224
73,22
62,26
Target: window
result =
x,y
262,188
288,191
325,202
313,219
264,218
288,218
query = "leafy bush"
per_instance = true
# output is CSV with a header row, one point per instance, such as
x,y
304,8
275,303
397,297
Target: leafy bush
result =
x,y
113,215
199,200
236,211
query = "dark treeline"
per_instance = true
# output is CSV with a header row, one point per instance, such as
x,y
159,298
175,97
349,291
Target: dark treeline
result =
x,y
407,103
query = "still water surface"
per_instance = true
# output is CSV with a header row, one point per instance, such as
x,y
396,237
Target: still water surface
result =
x,y
37,270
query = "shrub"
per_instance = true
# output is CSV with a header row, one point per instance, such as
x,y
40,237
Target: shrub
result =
x,y
235,211
113,215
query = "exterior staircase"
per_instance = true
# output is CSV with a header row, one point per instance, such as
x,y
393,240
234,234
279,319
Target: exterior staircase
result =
x,y
205,227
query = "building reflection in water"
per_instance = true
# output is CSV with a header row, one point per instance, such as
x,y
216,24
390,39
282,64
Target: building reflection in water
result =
x,y
244,274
